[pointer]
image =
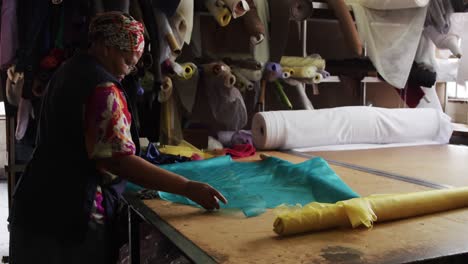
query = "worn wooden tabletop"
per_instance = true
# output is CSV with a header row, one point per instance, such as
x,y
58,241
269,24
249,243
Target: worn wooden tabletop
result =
x,y
229,237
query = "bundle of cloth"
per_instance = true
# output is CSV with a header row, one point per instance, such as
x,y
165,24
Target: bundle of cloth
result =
x,y
349,125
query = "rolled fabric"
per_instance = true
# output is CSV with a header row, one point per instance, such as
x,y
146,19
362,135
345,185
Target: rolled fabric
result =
x,y
251,75
242,82
187,89
350,125
253,25
286,75
185,70
301,92
303,72
312,60
348,28
367,210
274,70
166,90
444,41
14,86
167,32
301,9
226,104
393,4
220,13
247,63
182,20
221,71
238,7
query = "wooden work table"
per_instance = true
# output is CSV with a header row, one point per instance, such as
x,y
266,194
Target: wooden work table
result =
x,y
440,164
227,236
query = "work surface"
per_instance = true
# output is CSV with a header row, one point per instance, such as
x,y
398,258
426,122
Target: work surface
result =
x,y
228,237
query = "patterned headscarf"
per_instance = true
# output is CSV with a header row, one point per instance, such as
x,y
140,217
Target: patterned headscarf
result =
x,y
118,29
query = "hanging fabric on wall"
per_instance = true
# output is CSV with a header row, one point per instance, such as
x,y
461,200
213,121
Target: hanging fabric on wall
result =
x,y
391,38
438,15
348,28
182,20
226,103
238,7
393,4
187,89
253,24
8,33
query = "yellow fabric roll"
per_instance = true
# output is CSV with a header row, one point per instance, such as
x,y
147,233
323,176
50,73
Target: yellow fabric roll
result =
x,y
313,60
364,211
302,72
220,13
184,149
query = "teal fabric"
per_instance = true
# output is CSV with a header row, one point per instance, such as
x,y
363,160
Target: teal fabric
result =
x,y
255,186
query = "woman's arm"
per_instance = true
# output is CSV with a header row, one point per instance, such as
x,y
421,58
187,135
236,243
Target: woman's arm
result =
x,y
139,171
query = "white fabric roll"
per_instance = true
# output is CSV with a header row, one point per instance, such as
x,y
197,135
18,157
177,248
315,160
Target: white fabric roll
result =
x,y
393,4
348,125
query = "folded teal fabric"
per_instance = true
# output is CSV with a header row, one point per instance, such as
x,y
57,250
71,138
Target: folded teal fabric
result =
x,y
255,186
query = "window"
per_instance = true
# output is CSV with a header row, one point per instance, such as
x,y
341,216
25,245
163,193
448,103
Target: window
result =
x,y
457,92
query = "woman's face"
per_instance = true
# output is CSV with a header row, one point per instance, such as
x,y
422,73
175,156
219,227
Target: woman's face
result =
x,y
120,63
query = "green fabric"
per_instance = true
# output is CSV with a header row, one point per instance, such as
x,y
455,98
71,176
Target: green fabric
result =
x,y
255,186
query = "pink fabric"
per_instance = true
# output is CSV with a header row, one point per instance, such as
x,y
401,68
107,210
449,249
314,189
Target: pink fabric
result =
x,y
240,151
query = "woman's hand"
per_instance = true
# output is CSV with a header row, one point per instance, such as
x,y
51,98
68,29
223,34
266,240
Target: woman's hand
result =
x,y
204,195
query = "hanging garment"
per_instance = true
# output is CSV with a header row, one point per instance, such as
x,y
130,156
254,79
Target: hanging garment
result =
x,y
226,102
255,186
391,38
348,125
8,33
438,15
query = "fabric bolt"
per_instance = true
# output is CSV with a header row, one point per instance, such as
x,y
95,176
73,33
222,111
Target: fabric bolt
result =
x,y
444,41
170,46
250,64
251,75
347,26
438,15
8,33
238,7
242,83
118,30
391,38
220,13
226,103
240,151
350,125
253,25
367,210
187,90
393,4
261,52
273,70
311,60
303,98
14,86
255,186
182,20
